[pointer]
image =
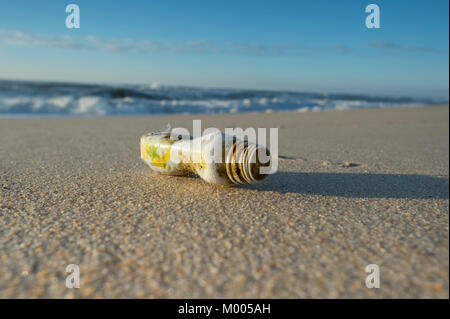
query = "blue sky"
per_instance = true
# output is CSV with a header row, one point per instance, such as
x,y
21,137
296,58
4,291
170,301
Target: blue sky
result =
x,y
320,45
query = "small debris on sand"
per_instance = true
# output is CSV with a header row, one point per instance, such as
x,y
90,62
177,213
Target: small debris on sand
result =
x,y
349,164
326,163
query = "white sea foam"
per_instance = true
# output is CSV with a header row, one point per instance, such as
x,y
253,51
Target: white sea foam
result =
x,y
60,101
303,109
90,105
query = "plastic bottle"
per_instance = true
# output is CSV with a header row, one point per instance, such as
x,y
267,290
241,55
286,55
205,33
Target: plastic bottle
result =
x,y
237,161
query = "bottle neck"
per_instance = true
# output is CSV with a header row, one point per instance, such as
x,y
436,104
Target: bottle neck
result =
x,y
243,164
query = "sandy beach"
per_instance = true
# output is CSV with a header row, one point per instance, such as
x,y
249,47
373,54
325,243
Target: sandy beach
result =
x,y
354,188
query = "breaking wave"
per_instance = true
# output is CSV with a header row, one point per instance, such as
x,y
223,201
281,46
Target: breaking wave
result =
x,y
18,98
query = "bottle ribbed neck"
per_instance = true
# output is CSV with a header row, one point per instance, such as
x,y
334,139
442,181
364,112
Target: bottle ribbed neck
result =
x,y
243,164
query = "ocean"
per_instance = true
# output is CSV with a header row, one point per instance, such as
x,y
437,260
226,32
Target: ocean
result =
x,y
29,99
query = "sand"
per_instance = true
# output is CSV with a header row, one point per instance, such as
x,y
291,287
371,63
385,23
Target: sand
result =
x,y
354,188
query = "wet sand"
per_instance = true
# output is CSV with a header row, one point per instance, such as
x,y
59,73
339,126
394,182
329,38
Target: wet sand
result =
x,y
353,188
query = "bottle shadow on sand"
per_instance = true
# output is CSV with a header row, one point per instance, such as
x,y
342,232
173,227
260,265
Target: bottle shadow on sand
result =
x,y
356,185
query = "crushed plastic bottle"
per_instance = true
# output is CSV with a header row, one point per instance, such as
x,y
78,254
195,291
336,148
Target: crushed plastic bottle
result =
x,y
238,162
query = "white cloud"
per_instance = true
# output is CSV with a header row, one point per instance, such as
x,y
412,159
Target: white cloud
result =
x,y
68,42
405,48
127,45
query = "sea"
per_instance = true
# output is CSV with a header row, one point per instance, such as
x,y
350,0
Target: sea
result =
x,y
57,99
